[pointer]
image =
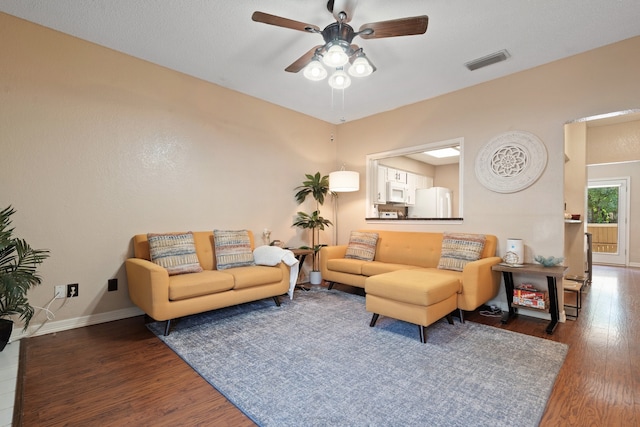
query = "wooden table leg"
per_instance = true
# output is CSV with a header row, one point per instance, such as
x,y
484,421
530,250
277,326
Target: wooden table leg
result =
x,y
508,286
553,304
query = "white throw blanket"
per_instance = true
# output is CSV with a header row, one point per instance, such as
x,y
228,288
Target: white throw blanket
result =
x,y
273,255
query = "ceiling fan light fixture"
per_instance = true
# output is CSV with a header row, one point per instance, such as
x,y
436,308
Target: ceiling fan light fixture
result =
x,y
314,70
339,80
335,57
361,67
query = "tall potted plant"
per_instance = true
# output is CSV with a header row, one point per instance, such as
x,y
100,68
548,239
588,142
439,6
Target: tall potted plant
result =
x,y
316,186
18,264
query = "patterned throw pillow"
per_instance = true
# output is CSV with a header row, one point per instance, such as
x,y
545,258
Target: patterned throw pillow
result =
x,y
233,249
175,252
362,245
458,249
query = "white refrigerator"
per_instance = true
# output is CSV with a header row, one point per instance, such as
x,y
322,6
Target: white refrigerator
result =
x,y
434,202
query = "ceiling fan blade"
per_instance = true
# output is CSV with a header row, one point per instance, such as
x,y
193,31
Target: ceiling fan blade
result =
x,y
279,21
342,6
302,62
396,27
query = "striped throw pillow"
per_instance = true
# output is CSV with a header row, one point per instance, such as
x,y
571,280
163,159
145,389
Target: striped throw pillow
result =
x,y
458,249
174,251
233,249
362,245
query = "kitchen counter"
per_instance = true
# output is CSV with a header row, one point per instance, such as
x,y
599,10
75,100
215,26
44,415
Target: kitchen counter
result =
x,y
413,219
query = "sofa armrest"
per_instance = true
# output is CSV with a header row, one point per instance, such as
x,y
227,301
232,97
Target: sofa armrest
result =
x,y
479,283
148,285
330,252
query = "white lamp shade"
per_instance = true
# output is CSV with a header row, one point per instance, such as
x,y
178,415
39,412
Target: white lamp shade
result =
x,y
315,71
339,80
360,67
335,57
344,181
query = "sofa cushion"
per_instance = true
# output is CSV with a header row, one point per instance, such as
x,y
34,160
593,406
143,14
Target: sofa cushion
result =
x,y
174,251
458,249
418,287
374,268
233,249
362,245
257,275
194,285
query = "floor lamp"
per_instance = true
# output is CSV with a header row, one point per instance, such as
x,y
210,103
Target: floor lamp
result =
x,y
342,181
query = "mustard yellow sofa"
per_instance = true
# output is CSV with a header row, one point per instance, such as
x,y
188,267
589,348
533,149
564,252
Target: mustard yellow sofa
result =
x,y
164,297
402,250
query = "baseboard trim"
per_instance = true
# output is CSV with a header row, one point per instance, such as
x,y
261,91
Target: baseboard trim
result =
x,y
77,322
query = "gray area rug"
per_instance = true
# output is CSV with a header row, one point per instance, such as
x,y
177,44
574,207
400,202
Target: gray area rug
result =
x,y
315,361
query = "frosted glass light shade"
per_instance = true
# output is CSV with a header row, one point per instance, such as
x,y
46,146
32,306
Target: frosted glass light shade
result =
x,y
344,181
315,71
360,67
339,80
335,57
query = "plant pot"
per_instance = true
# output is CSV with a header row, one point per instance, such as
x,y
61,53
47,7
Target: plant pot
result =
x,y
6,326
315,277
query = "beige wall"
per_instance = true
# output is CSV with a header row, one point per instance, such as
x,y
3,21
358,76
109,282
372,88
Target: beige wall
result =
x,y
614,143
575,179
540,101
98,146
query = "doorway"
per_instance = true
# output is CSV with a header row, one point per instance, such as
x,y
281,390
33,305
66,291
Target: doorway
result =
x,y
607,201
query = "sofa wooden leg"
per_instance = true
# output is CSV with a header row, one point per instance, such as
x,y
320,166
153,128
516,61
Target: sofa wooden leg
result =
x,y
423,333
276,300
374,319
330,285
167,326
461,314
450,319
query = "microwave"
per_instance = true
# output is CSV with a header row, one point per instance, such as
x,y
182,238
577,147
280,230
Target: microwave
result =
x,y
396,192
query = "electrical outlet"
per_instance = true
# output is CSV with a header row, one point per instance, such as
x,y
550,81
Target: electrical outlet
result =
x,y
59,291
112,285
72,290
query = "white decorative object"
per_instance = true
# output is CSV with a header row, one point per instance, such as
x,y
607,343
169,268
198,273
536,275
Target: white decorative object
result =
x,y
515,252
511,162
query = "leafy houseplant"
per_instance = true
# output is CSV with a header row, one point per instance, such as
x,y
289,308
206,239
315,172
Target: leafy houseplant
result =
x,y
316,186
18,264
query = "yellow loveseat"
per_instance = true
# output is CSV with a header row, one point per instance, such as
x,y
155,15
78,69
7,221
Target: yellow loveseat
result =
x,y
420,251
164,297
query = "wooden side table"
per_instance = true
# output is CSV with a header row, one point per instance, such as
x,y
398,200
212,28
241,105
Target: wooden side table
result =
x,y
553,274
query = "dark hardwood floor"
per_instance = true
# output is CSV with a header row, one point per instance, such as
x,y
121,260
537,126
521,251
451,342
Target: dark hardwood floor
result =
x,y
118,373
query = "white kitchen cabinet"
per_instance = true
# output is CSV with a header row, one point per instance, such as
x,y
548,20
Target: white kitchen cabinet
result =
x,y
412,180
381,185
395,175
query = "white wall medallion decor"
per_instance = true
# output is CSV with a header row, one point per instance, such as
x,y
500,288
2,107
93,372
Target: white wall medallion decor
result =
x,y
511,161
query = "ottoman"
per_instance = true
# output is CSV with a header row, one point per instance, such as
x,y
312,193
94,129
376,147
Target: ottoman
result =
x,y
415,296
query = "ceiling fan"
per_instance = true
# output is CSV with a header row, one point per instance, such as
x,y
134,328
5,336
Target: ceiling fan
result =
x,y
337,49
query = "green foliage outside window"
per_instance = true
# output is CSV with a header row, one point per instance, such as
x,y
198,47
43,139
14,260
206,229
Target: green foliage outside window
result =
x,y
602,205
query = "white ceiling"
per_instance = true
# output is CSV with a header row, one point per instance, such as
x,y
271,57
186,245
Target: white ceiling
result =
x,y
218,42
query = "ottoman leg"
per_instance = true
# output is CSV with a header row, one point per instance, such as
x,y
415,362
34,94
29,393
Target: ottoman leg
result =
x,y
423,333
374,319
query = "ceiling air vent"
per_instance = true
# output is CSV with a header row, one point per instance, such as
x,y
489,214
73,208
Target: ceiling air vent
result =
x,y
487,60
